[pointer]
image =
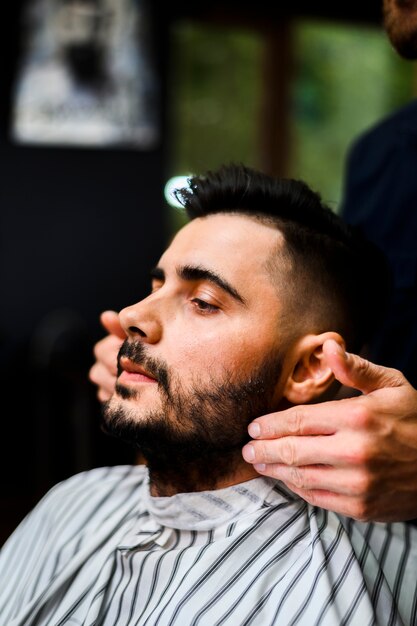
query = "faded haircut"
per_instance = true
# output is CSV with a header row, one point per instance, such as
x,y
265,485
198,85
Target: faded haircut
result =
x,y
331,276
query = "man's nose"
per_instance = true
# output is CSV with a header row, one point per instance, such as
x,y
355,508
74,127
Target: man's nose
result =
x,y
142,320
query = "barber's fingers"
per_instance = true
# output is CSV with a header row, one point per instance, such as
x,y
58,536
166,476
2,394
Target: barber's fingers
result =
x,y
347,491
308,419
104,370
351,492
103,395
350,482
328,417
111,322
106,350
342,504
354,371
342,449
105,381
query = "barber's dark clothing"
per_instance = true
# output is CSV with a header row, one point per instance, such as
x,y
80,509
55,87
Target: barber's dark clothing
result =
x,y
381,198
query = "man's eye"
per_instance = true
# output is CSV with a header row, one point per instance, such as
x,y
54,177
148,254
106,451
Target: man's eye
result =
x,y
204,307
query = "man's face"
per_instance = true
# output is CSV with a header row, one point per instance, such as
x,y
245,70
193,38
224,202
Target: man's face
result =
x,y
203,354
400,23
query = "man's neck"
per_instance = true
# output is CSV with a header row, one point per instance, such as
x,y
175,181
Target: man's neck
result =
x,y
198,478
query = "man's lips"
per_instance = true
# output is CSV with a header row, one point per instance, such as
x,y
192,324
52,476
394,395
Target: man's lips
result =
x,y
132,372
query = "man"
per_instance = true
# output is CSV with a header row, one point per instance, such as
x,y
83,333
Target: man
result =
x,y
247,303
379,481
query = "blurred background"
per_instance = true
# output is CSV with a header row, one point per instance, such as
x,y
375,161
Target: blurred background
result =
x,y
103,103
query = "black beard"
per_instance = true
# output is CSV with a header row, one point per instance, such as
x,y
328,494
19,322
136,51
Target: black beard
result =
x,y
194,442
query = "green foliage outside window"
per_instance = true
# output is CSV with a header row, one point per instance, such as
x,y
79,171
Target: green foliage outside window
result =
x,y
346,78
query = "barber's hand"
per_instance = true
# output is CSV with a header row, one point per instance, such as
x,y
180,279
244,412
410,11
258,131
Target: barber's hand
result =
x,y
356,456
104,371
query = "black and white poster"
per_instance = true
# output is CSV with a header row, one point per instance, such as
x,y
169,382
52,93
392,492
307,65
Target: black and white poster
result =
x,y
86,76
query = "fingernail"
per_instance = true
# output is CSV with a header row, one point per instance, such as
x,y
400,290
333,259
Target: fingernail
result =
x,y
248,453
260,467
254,430
338,349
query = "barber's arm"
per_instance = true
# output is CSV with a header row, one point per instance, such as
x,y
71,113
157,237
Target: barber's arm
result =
x,y
356,456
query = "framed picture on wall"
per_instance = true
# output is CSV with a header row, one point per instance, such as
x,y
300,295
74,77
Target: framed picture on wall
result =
x,y
86,76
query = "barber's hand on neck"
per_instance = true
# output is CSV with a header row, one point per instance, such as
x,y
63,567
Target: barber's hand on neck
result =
x,y
356,456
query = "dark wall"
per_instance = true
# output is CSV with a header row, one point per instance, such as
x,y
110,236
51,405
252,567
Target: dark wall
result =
x,y
80,229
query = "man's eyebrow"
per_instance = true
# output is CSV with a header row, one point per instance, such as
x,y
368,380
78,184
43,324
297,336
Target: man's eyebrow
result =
x,y
191,272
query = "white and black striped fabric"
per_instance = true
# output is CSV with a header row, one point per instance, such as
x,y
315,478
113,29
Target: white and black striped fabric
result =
x,y
99,550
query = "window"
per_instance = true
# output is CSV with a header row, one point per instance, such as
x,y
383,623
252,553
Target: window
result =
x,y
344,78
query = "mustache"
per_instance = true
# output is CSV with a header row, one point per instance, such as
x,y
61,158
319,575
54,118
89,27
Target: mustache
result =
x,y
135,351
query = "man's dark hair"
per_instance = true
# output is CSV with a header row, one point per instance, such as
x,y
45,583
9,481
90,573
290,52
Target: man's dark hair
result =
x,y
333,278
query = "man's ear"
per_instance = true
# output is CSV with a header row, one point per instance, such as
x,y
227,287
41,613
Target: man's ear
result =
x,y
310,376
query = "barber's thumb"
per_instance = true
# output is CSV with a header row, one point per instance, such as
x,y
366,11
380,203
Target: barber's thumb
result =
x,y
354,371
110,321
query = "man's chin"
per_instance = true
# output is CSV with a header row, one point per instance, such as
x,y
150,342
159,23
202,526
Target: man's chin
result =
x,y
121,420
129,410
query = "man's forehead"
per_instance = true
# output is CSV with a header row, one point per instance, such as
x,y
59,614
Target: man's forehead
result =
x,y
231,240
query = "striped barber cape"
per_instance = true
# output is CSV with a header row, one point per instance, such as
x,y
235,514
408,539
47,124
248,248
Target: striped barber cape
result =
x,y
99,550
